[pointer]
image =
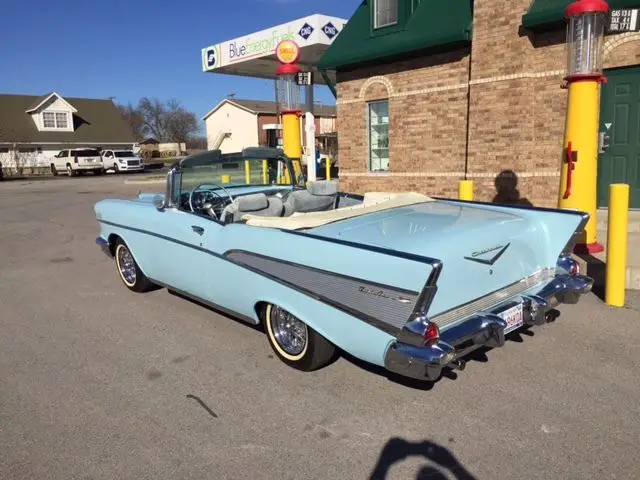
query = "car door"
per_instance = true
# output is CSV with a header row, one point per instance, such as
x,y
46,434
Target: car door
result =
x,y
107,159
186,262
61,160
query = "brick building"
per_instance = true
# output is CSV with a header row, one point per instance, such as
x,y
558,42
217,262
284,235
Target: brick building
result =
x,y
431,91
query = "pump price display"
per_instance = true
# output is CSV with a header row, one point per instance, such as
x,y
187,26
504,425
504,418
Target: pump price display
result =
x,y
624,20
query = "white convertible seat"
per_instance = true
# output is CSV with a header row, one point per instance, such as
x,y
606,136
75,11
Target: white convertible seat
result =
x,y
256,204
317,197
373,202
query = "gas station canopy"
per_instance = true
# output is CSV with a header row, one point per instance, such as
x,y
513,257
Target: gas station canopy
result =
x,y
253,55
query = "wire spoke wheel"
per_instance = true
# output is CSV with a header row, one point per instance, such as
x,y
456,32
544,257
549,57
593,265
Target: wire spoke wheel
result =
x,y
126,265
289,332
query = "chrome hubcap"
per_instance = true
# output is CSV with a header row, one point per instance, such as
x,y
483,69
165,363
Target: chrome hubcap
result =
x,y
289,332
126,265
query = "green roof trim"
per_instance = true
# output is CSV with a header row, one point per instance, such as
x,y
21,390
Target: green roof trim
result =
x,y
550,13
433,24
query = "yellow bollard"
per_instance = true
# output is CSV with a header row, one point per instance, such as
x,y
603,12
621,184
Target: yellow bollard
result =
x,y
616,267
327,166
225,178
465,190
247,172
265,172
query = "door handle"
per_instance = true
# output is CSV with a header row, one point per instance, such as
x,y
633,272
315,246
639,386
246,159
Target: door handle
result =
x,y
197,229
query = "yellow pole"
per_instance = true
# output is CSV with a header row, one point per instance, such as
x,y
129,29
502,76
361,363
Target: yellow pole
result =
x,y
265,172
225,178
616,268
247,172
327,166
291,139
465,190
578,175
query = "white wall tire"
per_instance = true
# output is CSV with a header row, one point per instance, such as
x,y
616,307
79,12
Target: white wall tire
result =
x,y
294,342
129,271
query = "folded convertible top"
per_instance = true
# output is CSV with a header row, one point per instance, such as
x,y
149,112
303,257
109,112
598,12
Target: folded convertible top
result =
x,y
373,202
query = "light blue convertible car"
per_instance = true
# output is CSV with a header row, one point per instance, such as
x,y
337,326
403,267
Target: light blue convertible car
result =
x,y
400,280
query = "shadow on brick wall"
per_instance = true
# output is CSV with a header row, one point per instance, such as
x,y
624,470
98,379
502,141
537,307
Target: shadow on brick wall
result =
x,y
507,193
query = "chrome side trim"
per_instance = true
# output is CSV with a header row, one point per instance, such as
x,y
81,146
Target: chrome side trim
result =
x,y
212,305
457,314
383,306
374,321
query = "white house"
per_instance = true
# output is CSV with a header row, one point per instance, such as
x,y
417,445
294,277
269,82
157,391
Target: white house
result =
x,y
33,129
234,124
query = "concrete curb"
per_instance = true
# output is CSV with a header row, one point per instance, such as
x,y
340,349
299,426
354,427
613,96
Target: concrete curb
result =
x,y
148,181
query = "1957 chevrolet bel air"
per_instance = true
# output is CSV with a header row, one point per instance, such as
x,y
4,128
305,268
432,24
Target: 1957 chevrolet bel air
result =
x,y
400,280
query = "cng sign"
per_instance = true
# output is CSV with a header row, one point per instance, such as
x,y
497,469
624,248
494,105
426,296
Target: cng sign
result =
x,y
287,52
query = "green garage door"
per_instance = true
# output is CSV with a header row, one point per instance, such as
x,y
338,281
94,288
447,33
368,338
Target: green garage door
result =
x,y
620,110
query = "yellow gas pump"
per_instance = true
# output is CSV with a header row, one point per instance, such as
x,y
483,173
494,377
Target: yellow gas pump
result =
x,y
578,175
289,101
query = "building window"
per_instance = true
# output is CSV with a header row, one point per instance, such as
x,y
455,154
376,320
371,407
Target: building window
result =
x,y
61,120
385,13
379,136
54,120
49,120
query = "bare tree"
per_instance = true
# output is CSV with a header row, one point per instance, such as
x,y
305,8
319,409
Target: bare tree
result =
x,y
134,119
181,124
20,151
154,113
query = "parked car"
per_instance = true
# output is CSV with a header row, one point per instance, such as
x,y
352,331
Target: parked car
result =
x,y
77,161
400,280
122,161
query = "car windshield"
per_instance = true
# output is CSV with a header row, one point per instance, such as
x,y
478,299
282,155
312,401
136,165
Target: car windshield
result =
x,y
124,153
235,169
87,153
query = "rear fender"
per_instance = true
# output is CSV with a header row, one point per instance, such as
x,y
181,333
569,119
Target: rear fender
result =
x,y
562,228
346,332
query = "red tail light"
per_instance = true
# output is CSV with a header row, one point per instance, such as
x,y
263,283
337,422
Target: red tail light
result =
x,y
431,334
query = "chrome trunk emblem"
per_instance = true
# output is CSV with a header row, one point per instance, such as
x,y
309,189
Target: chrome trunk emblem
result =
x,y
481,256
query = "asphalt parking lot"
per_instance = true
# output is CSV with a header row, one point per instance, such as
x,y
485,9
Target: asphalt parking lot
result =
x,y
98,382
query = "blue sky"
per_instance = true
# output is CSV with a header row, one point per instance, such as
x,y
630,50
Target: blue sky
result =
x,y
134,48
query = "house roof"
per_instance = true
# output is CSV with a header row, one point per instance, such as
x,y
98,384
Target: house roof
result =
x,y
39,101
270,108
96,121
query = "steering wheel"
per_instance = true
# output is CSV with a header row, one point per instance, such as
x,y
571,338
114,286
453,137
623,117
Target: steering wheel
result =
x,y
209,210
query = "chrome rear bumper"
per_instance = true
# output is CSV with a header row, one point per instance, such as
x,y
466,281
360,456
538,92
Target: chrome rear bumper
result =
x,y
483,329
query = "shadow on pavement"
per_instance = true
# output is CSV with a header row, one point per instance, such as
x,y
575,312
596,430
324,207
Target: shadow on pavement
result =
x,y
442,463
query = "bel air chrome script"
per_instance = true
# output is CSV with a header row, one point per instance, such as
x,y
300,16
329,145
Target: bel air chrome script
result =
x,y
498,249
380,293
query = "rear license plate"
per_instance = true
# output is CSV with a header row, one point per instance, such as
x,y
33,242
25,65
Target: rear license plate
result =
x,y
513,317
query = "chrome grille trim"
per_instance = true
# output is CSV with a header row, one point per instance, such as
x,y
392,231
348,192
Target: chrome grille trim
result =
x,y
454,315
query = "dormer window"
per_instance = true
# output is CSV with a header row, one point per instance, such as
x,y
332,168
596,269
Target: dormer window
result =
x,y
55,120
385,13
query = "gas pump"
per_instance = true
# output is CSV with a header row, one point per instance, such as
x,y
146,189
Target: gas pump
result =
x,y
578,175
289,102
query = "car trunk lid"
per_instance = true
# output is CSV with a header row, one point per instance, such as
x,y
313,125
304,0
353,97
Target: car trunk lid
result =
x,y
482,250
